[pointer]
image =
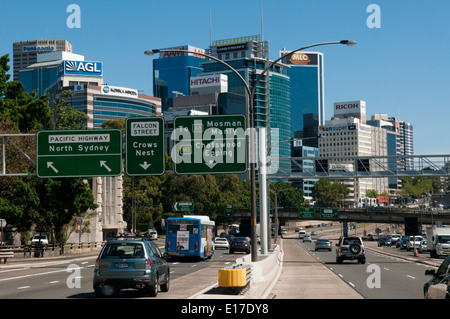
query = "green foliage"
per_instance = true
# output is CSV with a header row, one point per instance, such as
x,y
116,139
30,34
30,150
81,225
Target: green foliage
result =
x,y
416,186
47,204
329,194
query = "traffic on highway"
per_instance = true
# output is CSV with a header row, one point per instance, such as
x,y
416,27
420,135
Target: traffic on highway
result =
x,y
373,269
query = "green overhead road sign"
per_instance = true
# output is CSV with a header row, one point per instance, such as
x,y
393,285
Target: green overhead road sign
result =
x,y
145,154
211,144
183,206
329,213
306,212
79,153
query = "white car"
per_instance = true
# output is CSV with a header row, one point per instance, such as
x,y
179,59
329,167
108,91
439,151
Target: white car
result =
x,y
413,241
39,240
221,242
153,234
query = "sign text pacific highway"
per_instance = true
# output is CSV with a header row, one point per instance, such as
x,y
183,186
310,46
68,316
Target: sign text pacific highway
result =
x,y
79,153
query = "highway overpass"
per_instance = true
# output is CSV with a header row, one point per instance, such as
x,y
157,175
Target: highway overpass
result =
x,y
360,215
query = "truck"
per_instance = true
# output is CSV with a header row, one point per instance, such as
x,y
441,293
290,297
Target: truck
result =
x,y
438,241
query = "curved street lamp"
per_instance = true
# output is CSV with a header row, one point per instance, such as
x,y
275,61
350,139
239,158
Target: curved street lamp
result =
x,y
251,121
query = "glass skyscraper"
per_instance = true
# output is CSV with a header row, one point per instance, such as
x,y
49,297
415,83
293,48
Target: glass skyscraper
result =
x,y
172,72
250,56
307,93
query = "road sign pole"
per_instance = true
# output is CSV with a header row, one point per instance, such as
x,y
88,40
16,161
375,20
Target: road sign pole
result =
x,y
265,239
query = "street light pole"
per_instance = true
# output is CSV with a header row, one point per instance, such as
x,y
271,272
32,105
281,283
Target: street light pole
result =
x,y
251,121
251,144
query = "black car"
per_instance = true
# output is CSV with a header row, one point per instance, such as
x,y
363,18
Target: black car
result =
x,y
130,263
240,244
438,287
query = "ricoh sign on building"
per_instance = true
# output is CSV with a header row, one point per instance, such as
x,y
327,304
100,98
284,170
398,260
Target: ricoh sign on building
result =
x,y
352,108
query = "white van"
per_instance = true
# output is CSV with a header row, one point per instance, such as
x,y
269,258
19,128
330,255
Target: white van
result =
x,y
301,234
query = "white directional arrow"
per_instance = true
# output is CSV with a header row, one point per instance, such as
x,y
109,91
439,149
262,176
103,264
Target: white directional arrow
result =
x,y
211,164
103,163
49,165
145,165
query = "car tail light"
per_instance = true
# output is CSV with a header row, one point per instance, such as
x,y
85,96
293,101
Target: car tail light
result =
x,y
97,264
196,246
148,263
168,245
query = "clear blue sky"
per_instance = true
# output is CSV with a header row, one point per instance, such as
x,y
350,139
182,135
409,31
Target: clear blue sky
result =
x,y
401,69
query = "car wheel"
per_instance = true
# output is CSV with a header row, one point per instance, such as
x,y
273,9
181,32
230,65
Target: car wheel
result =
x,y
339,260
153,290
165,286
355,249
362,261
98,292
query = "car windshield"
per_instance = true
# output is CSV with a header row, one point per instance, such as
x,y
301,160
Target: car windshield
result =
x,y
124,250
239,239
323,241
39,237
444,239
351,241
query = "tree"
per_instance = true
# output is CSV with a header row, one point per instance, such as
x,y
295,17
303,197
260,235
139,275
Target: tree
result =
x,y
416,186
328,194
61,200
45,203
371,193
66,117
289,196
26,111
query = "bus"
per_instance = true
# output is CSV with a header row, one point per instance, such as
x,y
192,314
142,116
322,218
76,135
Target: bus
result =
x,y
190,236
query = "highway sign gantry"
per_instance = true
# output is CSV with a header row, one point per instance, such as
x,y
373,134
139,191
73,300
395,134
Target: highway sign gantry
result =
x,y
212,144
145,152
78,153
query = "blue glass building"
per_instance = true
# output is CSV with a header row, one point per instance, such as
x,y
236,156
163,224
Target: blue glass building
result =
x,y
249,56
172,72
307,91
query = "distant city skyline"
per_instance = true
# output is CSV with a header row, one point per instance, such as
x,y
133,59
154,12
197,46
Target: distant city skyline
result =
x,y
400,65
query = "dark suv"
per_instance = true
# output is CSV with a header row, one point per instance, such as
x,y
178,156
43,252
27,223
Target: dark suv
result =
x,y
350,248
240,244
130,263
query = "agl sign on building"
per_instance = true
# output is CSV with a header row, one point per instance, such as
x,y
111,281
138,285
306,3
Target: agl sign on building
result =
x,y
80,68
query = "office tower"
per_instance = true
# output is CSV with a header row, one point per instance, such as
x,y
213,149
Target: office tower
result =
x,y
43,74
172,72
250,57
400,142
25,52
307,93
347,136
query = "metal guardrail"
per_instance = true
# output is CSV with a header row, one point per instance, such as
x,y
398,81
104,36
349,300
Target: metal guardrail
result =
x,y
39,250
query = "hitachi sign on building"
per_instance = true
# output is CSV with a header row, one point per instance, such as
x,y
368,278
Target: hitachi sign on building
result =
x,y
217,83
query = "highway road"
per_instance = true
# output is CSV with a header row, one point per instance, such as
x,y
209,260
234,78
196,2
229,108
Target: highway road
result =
x,y
71,277
382,277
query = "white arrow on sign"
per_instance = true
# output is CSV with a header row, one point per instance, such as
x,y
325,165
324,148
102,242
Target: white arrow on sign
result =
x,y
103,163
211,164
145,165
50,165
